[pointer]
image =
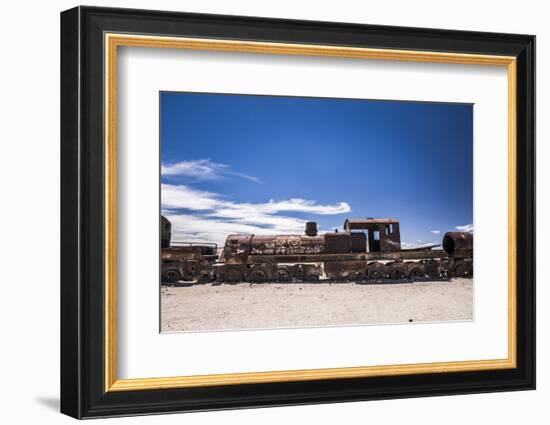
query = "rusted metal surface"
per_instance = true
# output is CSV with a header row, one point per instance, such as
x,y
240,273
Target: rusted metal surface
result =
x,y
369,256
261,272
463,267
346,269
368,249
187,261
311,228
383,236
294,245
361,223
165,232
458,243
337,243
196,268
358,242
236,249
383,233
188,251
376,271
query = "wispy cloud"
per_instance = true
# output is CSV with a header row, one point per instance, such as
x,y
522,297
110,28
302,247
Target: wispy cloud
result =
x,y
417,244
209,216
183,196
465,228
435,232
197,228
203,169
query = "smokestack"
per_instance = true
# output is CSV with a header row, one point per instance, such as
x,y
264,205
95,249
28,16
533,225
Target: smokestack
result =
x,y
311,228
165,232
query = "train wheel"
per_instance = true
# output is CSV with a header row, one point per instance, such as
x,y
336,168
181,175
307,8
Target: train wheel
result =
x,y
258,275
282,275
469,269
233,276
375,271
461,269
398,273
417,273
171,276
205,278
311,277
433,271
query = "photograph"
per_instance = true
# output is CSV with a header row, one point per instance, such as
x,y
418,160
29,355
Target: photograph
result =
x,y
290,211
264,209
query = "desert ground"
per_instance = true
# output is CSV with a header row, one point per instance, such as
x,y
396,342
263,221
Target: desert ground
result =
x,y
208,307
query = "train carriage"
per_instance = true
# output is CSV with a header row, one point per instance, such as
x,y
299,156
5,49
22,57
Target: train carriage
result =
x,y
367,249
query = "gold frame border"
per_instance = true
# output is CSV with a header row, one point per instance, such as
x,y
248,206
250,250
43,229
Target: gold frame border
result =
x,y
113,41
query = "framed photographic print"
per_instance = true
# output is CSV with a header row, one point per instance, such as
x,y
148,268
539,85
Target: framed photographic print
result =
x,y
261,212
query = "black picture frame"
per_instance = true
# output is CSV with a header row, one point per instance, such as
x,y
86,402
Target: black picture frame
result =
x,y
83,392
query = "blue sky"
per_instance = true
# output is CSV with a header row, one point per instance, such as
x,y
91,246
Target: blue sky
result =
x,y
267,164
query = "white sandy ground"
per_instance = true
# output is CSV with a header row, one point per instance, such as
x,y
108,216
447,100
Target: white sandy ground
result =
x,y
281,305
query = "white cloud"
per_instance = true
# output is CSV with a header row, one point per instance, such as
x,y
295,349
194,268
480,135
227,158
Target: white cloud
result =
x,y
418,244
195,228
203,169
251,211
220,217
465,228
182,196
435,232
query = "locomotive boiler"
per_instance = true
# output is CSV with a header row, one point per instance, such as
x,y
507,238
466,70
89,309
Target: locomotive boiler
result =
x,y
367,249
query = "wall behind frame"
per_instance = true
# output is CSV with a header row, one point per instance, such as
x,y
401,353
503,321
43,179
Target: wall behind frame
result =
x,y
29,176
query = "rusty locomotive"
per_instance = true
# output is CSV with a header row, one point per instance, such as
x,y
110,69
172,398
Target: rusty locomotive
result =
x,y
367,249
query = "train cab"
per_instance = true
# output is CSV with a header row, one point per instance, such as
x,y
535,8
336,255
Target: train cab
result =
x,y
373,234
